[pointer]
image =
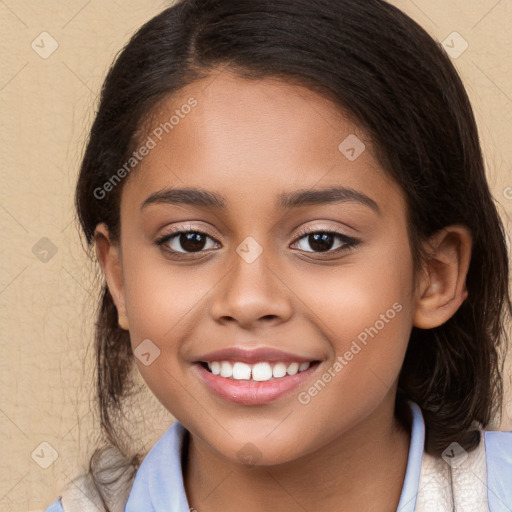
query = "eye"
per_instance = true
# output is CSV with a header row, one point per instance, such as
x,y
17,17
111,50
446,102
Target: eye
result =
x,y
323,241
189,240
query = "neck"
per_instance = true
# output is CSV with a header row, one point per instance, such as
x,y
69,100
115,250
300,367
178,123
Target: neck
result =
x,y
362,469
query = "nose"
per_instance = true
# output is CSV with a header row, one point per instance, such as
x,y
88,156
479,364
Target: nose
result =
x,y
252,294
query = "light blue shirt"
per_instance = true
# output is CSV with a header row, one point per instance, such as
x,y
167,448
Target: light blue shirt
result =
x,y
158,485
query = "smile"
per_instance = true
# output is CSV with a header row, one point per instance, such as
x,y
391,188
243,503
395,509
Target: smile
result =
x,y
254,384
260,372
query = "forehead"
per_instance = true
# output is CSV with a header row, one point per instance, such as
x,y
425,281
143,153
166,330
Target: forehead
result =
x,y
249,138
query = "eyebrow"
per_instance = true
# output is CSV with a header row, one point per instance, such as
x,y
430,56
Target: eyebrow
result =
x,y
285,200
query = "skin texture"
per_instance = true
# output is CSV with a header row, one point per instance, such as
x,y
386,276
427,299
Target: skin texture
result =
x,y
249,141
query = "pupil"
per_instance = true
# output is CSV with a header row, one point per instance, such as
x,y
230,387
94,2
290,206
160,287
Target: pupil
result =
x,y
321,242
192,241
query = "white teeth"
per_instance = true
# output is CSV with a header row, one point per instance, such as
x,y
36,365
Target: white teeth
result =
x,y
292,369
260,372
279,370
226,370
214,367
303,366
241,371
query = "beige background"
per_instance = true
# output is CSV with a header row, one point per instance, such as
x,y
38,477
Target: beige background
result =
x,y
46,308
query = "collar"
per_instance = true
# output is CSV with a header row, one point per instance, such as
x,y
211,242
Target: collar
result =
x,y
407,501
159,485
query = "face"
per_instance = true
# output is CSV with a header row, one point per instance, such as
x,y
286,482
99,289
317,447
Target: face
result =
x,y
261,274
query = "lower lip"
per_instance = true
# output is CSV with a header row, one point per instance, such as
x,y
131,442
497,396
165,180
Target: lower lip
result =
x,y
248,392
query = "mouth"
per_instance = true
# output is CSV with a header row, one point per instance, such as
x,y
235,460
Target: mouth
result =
x,y
254,384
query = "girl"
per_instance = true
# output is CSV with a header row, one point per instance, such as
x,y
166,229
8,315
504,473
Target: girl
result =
x,y
304,261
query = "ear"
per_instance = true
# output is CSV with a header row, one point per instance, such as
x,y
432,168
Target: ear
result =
x,y
109,256
442,285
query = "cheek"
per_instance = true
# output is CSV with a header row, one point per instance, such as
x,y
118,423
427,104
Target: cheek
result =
x,y
354,294
159,295
365,313
364,309
165,303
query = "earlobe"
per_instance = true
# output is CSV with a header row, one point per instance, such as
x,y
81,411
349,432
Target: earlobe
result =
x,y
442,287
109,257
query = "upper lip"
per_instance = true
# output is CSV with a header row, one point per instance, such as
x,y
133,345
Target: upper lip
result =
x,y
250,356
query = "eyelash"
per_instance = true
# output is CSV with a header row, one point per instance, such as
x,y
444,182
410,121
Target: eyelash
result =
x,y
348,242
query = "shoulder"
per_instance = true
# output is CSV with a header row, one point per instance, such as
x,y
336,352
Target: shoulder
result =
x,y
116,477
499,444
56,506
78,495
498,452
158,484
480,479
109,489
